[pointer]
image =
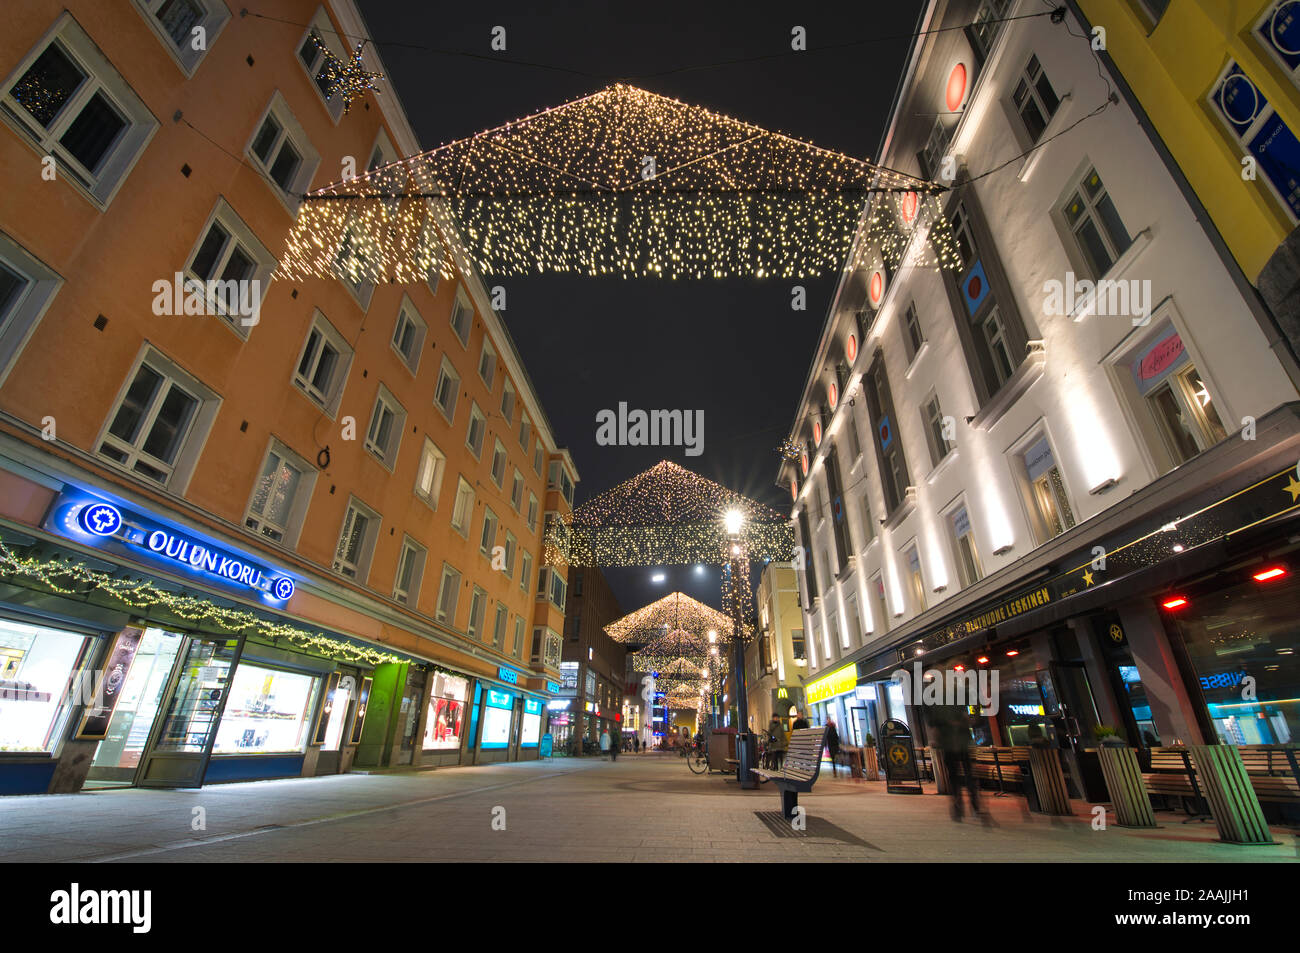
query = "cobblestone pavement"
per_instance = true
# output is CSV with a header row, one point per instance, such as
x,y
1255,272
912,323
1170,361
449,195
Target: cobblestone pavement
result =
x,y
642,807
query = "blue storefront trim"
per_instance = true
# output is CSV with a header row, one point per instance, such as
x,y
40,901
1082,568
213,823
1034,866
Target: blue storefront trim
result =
x,y
253,768
26,778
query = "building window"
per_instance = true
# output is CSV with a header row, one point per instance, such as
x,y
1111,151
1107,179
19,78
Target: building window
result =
x,y
557,590
408,335
854,446
477,428
226,260
526,575
448,594
26,289
356,541
889,448
178,24
447,390
1155,9
518,650
323,365
462,316
499,465
558,479
477,610
508,403
963,541
517,491
280,495
913,337
933,420
963,236
868,522
525,432
994,338
487,364
988,24
1034,99
1050,502
916,583
935,146
72,104
499,626
316,63
853,629
1095,224
1176,396
159,422
797,647
488,537
460,513
387,421
352,263
428,476
537,458
410,570
512,546
281,148
38,667
879,610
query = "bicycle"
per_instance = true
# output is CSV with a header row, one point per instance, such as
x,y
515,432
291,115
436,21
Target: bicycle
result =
x,y
697,758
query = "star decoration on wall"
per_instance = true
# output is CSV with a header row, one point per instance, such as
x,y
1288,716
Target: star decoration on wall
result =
x,y
346,79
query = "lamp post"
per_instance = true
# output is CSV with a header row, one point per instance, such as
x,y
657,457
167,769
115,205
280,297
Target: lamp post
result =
x,y
735,521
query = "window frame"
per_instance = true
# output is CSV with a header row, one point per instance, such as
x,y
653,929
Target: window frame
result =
x,y
238,235
447,371
408,313
499,453
387,455
326,32
329,334
488,356
461,304
439,473
216,16
448,615
369,539
410,597
291,131
490,518
476,416
23,315
292,530
463,528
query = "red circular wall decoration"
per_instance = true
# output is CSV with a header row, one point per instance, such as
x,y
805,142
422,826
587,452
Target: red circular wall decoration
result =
x,y
876,288
910,202
833,394
803,462
956,92
794,491
817,432
851,348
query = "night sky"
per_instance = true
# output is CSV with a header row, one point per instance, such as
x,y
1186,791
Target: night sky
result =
x,y
733,348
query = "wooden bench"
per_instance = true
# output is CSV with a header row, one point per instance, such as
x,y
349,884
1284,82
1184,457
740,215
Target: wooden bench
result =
x,y
803,762
1170,774
1273,771
1000,765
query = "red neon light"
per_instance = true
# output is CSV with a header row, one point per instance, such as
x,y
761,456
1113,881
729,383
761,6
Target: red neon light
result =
x,y
1275,572
983,660
1174,603
1012,653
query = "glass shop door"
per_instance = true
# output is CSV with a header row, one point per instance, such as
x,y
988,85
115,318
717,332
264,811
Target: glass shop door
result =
x,y
181,742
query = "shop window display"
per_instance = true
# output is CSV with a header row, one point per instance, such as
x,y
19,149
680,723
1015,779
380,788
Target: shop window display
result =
x,y
119,753
1241,642
444,727
268,711
36,669
196,702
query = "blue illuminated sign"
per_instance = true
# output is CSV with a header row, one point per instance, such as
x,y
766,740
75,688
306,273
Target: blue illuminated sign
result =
x,y
1222,680
532,706
497,699
553,687
508,675
101,523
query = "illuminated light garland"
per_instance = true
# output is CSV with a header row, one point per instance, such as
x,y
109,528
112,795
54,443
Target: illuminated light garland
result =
x,y
569,190
346,78
676,617
665,516
55,575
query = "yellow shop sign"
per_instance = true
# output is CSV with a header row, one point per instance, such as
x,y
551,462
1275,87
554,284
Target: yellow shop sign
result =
x,y
836,683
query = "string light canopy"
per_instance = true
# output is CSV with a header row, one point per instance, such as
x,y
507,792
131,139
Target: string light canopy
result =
x,y
676,623
667,516
620,182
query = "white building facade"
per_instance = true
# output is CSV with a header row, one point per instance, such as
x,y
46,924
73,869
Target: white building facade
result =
x,y
1003,470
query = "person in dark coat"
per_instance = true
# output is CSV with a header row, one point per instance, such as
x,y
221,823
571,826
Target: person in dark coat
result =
x,y
800,722
833,745
950,728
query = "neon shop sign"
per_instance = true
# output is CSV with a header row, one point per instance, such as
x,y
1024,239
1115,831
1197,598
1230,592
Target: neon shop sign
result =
x,y
106,522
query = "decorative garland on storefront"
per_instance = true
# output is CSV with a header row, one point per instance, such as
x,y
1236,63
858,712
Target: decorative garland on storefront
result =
x,y
55,574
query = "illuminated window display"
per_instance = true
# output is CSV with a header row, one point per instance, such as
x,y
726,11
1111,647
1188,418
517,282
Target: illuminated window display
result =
x,y
498,707
36,666
196,701
123,745
444,727
530,732
268,710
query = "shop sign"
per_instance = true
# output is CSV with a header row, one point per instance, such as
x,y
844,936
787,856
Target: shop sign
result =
x,y
94,725
532,706
836,683
508,675
901,776
553,688
1026,709
496,699
1222,680
559,704
98,522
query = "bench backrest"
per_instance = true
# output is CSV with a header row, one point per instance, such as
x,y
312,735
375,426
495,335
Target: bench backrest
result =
x,y
803,759
1168,759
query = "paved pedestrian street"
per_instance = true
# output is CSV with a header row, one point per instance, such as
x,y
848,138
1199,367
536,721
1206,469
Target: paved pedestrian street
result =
x,y
644,807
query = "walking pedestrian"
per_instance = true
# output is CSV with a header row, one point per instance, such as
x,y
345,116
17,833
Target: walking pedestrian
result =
x,y
951,729
615,743
833,745
636,744
800,722
604,742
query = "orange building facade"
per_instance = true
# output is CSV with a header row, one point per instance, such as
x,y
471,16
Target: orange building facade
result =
x,y
251,527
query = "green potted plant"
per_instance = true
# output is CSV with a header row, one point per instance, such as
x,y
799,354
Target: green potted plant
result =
x,y
1108,736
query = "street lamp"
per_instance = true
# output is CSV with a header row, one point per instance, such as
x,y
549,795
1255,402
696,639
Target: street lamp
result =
x,y
734,521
